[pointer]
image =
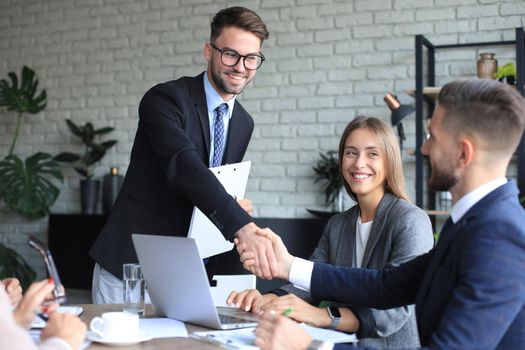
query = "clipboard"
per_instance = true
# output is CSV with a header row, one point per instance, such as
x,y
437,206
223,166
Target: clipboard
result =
x,y
234,178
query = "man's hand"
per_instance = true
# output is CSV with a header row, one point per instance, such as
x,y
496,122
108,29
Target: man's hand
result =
x,y
67,327
279,332
246,204
13,290
263,262
284,259
249,300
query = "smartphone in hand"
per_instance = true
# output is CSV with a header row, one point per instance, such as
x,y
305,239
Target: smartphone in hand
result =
x,y
59,293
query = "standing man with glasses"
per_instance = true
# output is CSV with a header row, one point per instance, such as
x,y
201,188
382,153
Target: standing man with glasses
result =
x,y
186,126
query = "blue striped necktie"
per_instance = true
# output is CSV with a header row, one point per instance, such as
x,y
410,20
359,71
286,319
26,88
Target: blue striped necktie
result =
x,y
218,140
218,134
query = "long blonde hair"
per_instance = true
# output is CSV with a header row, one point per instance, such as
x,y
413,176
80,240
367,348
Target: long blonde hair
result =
x,y
395,180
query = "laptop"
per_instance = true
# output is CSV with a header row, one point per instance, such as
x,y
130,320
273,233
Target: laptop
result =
x,y
178,285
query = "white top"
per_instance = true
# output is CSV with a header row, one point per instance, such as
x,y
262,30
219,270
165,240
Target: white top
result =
x,y
361,239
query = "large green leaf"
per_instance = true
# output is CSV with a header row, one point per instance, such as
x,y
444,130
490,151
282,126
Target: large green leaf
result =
x,y
74,128
66,157
108,144
22,98
24,186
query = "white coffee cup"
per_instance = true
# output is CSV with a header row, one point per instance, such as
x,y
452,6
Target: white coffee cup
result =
x,y
115,325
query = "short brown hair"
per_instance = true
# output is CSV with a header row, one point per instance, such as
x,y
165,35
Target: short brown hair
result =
x,y
491,110
239,17
395,180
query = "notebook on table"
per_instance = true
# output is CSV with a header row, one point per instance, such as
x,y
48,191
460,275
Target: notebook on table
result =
x,y
178,285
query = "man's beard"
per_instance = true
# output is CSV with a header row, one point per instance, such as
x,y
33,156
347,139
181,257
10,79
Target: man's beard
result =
x,y
442,179
224,86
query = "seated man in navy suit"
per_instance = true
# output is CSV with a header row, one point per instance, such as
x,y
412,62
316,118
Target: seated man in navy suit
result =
x,y
469,290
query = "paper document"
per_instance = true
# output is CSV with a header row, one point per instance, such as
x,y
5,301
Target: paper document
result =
x,y
244,338
35,335
227,283
234,178
38,322
329,335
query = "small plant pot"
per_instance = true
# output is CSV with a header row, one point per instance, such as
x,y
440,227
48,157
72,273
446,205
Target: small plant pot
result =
x,y
89,195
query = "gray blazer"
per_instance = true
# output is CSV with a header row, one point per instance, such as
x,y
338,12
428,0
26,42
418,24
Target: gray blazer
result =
x,y
400,232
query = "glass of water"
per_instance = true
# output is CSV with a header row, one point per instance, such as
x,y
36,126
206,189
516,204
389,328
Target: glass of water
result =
x,y
133,287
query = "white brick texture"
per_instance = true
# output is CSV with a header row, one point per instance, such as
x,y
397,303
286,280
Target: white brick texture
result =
x,y
327,61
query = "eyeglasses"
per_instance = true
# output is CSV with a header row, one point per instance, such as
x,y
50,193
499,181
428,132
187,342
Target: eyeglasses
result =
x,y
231,57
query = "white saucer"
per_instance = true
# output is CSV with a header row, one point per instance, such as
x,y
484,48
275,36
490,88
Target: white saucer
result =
x,y
138,339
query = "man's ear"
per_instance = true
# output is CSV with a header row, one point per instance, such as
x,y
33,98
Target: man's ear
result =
x,y
466,155
207,52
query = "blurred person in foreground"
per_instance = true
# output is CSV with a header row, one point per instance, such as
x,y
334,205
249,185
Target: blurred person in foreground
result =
x,y
62,332
13,290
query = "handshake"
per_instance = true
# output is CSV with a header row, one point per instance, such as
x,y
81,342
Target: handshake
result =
x,y
262,252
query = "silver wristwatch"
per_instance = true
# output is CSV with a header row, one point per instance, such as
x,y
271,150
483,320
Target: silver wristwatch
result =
x,y
335,315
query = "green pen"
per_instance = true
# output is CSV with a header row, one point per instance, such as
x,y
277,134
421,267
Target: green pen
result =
x,y
287,312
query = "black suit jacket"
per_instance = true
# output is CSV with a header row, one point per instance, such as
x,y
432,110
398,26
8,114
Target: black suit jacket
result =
x,y
168,172
469,290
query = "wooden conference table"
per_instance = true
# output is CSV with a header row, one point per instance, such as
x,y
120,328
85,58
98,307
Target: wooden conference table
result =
x,y
91,310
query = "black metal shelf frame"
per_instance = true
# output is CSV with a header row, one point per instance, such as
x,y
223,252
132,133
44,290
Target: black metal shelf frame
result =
x,y
420,43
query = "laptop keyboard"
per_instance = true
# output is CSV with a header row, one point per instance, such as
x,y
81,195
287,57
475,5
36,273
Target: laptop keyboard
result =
x,y
225,319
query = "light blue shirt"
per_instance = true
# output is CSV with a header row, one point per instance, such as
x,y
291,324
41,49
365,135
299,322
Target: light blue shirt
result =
x,y
213,100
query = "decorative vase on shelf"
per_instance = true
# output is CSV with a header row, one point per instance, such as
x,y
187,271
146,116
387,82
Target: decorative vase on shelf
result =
x,y
89,189
487,65
110,188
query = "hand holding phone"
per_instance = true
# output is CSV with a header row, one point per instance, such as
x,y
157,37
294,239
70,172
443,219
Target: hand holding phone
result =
x,y
59,292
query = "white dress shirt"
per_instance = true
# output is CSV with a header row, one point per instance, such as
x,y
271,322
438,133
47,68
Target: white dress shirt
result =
x,y
467,201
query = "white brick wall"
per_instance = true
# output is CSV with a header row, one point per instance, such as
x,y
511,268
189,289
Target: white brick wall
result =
x,y
328,60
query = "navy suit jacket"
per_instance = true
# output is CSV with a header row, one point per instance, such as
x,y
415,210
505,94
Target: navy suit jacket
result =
x,y
469,290
168,172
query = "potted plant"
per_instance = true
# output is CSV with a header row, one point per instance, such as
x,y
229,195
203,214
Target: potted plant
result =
x,y
506,73
25,185
93,152
327,170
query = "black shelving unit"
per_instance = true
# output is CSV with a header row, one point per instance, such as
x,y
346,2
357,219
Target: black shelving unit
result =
x,y
423,43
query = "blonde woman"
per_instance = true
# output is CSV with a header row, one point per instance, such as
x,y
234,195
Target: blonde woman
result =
x,y
382,230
